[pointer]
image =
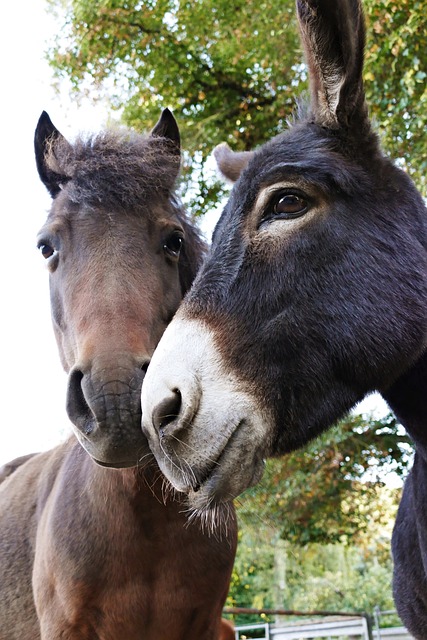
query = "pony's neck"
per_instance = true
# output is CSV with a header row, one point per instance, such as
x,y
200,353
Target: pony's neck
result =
x,y
407,397
141,483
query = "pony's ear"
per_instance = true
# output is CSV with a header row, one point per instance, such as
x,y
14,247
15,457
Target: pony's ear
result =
x,y
231,163
333,36
45,138
167,127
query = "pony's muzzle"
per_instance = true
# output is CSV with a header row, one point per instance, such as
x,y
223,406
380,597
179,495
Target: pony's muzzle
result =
x,y
106,410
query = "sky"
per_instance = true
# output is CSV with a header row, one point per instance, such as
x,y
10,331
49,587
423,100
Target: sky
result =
x,y
33,384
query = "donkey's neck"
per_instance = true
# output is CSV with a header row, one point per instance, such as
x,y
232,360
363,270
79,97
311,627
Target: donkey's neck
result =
x,y
407,397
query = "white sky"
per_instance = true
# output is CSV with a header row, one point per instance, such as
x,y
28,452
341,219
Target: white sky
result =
x,y
33,384
32,381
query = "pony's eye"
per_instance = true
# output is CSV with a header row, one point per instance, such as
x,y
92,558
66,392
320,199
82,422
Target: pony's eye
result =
x,y
289,205
46,250
173,244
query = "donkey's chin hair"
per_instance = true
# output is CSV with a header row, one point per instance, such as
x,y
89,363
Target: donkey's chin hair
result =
x,y
214,518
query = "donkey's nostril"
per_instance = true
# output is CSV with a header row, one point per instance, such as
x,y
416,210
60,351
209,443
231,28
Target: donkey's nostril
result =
x,y
167,410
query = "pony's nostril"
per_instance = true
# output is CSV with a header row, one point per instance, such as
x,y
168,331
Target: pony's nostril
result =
x,y
167,411
77,408
144,366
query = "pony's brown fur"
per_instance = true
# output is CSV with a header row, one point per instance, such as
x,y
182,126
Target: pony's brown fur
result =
x,y
227,631
7,469
109,556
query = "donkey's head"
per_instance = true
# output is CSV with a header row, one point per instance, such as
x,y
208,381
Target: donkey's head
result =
x,y
120,254
314,292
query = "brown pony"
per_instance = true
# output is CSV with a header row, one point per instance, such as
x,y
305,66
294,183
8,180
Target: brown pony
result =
x,y
93,542
227,631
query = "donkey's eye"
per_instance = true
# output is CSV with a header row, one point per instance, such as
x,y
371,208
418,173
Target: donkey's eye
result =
x,y
46,250
289,205
173,244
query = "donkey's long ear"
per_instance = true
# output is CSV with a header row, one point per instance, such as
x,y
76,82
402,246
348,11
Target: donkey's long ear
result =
x,y
231,163
333,36
45,138
167,127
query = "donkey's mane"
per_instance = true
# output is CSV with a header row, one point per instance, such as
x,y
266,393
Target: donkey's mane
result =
x,y
114,168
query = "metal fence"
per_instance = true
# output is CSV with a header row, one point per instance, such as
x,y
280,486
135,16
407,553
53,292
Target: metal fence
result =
x,y
351,628
354,628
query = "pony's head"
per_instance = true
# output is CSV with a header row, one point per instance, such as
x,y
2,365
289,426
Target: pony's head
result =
x,y
121,254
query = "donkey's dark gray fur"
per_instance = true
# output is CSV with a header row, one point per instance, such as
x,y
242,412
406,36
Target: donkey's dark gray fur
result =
x,y
314,294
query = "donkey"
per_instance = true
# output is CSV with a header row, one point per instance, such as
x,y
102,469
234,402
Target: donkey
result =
x,y
314,294
92,543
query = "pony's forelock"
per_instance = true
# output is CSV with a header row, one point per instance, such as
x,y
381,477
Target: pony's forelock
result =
x,y
94,168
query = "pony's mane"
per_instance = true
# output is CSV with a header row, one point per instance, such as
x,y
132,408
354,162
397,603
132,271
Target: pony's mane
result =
x,y
114,168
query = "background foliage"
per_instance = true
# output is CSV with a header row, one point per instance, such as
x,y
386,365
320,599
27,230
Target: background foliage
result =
x,y
232,69
315,533
327,492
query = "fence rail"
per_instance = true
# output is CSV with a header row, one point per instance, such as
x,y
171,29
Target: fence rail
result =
x,y
354,628
344,627
353,631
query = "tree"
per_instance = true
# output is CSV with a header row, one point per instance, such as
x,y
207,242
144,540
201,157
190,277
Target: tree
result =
x,y
315,532
326,492
252,580
395,76
353,575
231,70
